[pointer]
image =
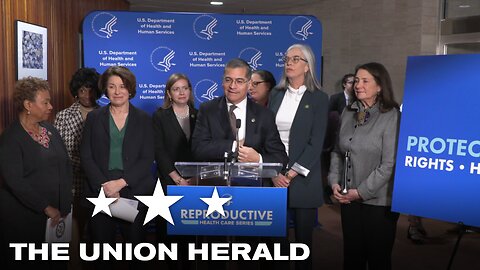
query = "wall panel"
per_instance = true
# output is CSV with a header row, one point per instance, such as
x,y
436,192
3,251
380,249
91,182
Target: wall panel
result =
x,y
63,18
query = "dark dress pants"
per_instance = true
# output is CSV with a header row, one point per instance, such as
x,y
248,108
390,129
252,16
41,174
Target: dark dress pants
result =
x,y
368,236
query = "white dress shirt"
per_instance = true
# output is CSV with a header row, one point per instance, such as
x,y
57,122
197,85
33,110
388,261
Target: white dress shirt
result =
x,y
286,112
241,113
347,97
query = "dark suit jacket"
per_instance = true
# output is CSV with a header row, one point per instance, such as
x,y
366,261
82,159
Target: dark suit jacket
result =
x,y
171,144
337,103
34,177
213,136
137,152
305,145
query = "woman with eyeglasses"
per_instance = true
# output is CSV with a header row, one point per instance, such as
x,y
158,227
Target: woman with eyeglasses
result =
x,y
301,110
361,170
173,126
261,84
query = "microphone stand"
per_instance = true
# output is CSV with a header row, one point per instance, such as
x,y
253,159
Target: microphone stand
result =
x,y
234,159
345,173
226,176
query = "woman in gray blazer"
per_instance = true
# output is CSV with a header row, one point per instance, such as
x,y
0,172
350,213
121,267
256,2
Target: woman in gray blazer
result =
x,y
362,166
301,110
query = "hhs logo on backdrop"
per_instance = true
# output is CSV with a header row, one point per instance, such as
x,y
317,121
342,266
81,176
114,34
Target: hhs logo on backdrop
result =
x,y
204,25
252,57
300,28
161,59
205,90
103,25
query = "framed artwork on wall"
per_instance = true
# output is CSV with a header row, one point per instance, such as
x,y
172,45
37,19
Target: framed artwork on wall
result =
x,y
31,50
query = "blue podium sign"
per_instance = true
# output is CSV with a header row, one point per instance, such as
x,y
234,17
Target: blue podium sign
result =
x,y
438,160
251,211
155,44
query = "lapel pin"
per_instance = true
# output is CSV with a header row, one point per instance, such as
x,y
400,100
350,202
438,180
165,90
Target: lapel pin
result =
x,y
253,120
307,106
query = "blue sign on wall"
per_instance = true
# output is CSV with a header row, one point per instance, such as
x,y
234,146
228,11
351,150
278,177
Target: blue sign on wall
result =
x,y
251,211
438,160
155,45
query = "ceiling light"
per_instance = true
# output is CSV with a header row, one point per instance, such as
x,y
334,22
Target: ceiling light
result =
x,y
464,6
213,3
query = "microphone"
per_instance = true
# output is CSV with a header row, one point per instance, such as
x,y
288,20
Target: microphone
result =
x,y
238,124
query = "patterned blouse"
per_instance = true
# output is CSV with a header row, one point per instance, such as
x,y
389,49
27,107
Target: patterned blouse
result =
x,y
69,124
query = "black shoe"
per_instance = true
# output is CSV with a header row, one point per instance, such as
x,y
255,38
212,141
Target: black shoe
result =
x,y
421,229
415,235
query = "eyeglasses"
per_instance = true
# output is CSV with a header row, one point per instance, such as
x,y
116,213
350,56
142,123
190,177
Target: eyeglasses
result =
x,y
182,88
256,83
238,81
295,59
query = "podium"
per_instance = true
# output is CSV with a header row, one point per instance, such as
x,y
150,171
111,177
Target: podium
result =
x,y
254,208
227,173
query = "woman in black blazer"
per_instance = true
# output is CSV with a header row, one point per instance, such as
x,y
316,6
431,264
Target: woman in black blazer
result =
x,y
117,154
173,126
36,172
302,132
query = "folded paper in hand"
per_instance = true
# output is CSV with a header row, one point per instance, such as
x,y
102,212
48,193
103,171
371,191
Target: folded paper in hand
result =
x,y
125,209
62,232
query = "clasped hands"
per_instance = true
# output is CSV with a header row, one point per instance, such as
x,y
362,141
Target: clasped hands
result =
x,y
352,194
112,188
283,181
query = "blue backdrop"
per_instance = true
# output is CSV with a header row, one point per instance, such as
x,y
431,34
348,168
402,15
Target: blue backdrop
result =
x,y
438,161
155,45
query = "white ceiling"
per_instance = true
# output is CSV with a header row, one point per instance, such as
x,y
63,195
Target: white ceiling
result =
x,y
229,6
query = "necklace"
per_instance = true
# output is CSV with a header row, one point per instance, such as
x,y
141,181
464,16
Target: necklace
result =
x,y
184,116
41,136
364,115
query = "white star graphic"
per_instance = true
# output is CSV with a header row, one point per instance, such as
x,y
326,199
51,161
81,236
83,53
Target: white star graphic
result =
x,y
158,204
215,203
101,203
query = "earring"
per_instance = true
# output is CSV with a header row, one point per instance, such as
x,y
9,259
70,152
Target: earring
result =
x,y
28,112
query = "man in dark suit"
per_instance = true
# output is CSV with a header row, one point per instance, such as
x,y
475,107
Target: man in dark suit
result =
x,y
258,136
340,100
215,134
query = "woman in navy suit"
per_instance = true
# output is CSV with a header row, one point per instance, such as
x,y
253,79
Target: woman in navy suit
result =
x,y
173,126
302,132
117,154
